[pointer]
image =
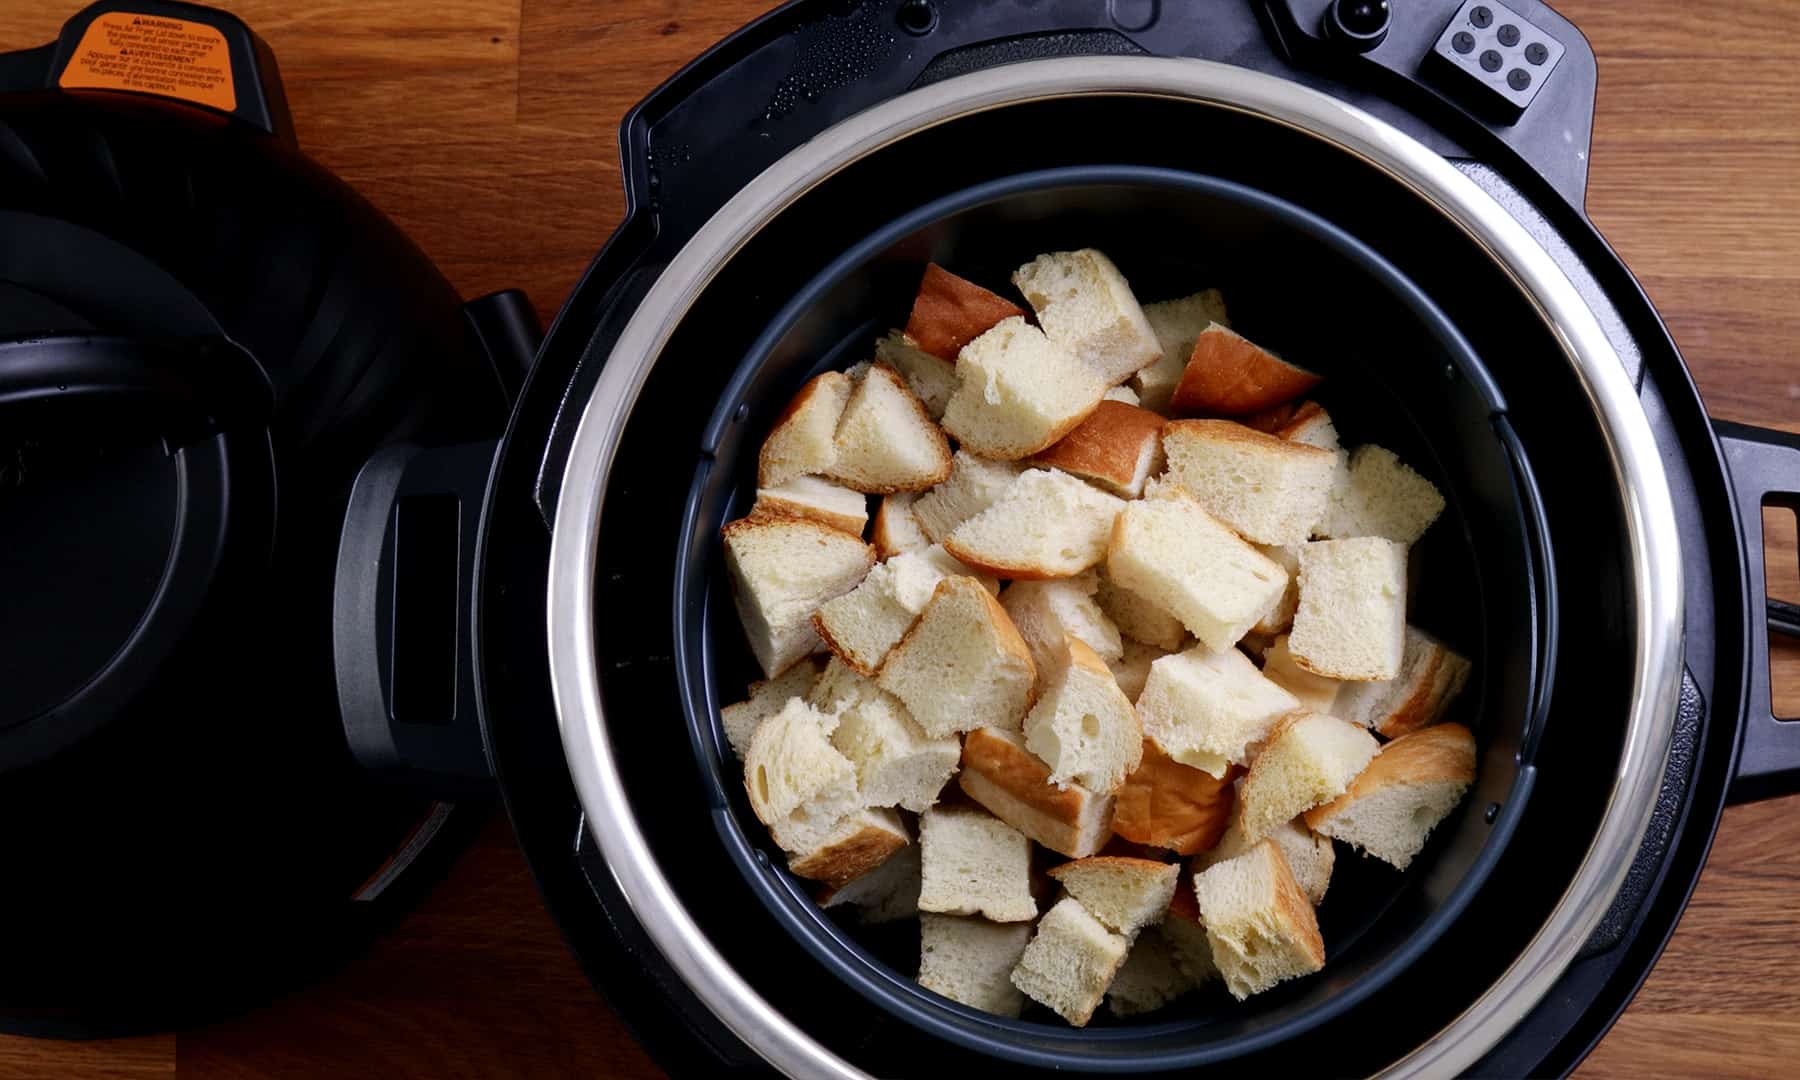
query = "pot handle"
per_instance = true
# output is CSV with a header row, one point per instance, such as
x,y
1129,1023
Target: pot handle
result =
x,y
1765,471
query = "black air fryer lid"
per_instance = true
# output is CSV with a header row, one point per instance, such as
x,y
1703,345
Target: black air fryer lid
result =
x,y
203,337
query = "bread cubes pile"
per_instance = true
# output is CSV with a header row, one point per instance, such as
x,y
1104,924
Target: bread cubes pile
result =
x,y
1124,600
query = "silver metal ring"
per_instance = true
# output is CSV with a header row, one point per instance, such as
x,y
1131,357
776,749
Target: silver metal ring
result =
x,y
1656,574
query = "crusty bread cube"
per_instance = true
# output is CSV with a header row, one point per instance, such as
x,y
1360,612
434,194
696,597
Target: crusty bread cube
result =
x,y
1070,962
896,763
1170,550
1132,669
1377,494
970,960
932,379
1166,804
1150,978
1047,612
855,846
886,441
803,440
972,863
815,498
1205,708
1227,375
1000,773
949,312
1270,490
1280,618
1393,805
864,624
974,484
1316,693
1176,323
1124,893
1431,675
767,697
1309,856
1118,447
1302,422
1139,618
897,528
1308,759
888,893
1047,524
799,785
1084,303
782,569
1261,928
1083,725
1351,621
962,664
1017,392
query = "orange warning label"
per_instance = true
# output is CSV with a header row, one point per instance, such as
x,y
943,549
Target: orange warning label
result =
x,y
154,55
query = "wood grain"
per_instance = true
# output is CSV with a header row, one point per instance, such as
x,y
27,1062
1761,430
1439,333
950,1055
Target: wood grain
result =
x,y
486,129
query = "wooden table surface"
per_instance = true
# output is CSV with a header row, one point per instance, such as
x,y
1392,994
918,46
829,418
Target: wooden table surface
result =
x,y
486,129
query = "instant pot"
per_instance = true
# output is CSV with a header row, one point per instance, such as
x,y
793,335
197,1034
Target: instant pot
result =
x,y
1395,192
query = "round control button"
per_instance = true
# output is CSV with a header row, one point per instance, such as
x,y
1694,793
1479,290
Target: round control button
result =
x,y
1480,18
1518,78
1508,34
1490,61
1462,41
1536,53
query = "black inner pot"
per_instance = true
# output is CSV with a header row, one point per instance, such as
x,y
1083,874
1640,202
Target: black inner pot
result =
x,y
643,549
1292,282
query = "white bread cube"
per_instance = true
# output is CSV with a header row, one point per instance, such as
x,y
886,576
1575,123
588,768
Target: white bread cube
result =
x,y
1205,708
1132,669
1308,759
1270,490
1431,675
767,697
1176,324
1047,524
820,500
799,785
930,379
1084,303
1166,804
896,763
970,960
897,530
803,440
1150,978
1315,693
1124,893
1309,856
1083,725
782,570
886,441
1139,618
1070,962
1280,618
1311,425
1121,393
1377,494
972,863
864,624
1047,612
1227,375
857,845
1000,773
962,664
1169,550
888,893
1351,621
1017,392
1261,928
1411,785
1118,447
974,484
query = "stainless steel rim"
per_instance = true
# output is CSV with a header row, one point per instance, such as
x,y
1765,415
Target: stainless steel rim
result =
x,y
1637,468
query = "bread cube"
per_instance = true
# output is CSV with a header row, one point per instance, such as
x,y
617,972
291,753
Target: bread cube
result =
x,y
1070,962
962,664
897,764
1017,392
897,528
1001,774
974,485
782,570
1084,304
864,624
820,500
886,441
1177,324
767,697
1309,856
1205,708
803,439
1171,551
972,863
949,312
1351,620
1139,618
888,893
1117,447
932,379
1261,928
1125,894
1166,804
970,960
799,785
1412,785
1048,612
1083,725
1377,494
1227,375
1047,524
1431,675
1270,490
1308,759
857,845
1316,693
